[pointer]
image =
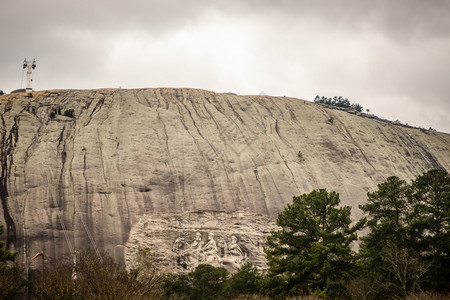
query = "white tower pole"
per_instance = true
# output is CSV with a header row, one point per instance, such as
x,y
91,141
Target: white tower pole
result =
x,y
30,65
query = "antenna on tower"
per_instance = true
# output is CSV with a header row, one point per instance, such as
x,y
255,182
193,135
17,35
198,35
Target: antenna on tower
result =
x,y
30,66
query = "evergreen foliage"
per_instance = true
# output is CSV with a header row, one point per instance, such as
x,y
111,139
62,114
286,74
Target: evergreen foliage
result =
x,y
11,280
311,253
429,224
387,209
204,282
246,281
207,282
338,102
407,247
5,255
175,286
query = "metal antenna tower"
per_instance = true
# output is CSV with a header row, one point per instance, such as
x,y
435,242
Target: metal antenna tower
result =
x,y
30,65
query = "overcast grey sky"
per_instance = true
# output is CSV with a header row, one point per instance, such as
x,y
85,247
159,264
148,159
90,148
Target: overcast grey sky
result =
x,y
392,57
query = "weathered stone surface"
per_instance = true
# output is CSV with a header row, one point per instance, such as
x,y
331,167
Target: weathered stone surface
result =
x,y
180,241
133,156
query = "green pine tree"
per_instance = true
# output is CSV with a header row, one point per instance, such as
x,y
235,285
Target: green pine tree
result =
x,y
311,252
429,224
408,244
5,255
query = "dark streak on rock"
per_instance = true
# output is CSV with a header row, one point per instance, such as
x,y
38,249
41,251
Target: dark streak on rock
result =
x,y
7,146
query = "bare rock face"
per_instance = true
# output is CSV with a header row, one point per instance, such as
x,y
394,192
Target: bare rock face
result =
x,y
129,168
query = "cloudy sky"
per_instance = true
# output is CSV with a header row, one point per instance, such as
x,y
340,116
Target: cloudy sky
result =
x,y
392,57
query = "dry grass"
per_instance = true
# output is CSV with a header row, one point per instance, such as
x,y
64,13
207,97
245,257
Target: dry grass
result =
x,y
259,297
415,296
427,296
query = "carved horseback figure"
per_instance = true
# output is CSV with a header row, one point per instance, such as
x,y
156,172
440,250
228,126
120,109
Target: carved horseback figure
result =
x,y
210,252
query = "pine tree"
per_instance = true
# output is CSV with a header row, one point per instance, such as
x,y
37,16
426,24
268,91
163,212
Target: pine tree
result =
x,y
311,252
429,224
408,244
5,255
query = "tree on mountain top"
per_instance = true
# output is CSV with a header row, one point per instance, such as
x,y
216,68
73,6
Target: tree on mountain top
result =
x,y
338,102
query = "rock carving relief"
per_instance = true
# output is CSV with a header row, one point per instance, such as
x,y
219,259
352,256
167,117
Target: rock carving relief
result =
x,y
180,242
216,253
